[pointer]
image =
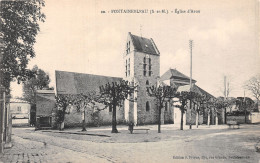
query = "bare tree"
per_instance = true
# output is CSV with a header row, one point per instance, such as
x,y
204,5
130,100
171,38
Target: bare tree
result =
x,y
82,102
113,95
200,101
162,94
253,85
184,97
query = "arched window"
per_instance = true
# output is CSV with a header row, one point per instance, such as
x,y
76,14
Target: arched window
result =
x,y
147,83
147,106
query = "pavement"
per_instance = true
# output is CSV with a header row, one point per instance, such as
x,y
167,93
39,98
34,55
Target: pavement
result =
x,y
205,144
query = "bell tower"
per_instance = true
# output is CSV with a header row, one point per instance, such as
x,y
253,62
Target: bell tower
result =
x,y
142,66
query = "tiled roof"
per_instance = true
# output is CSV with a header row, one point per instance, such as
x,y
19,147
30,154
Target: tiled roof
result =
x,y
15,100
144,45
45,104
173,73
195,88
76,83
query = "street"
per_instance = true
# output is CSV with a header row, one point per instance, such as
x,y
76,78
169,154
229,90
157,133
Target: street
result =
x,y
214,144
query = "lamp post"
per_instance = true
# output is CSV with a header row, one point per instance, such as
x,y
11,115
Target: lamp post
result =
x,y
190,80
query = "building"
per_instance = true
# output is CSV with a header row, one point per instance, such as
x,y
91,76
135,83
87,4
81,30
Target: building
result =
x,y
142,67
20,111
45,107
77,83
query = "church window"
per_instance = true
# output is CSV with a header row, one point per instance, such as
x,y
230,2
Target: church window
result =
x,y
144,73
147,106
128,47
144,67
129,67
126,68
150,67
110,108
147,82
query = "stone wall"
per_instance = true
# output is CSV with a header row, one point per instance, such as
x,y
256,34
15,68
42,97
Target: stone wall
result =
x,y
151,116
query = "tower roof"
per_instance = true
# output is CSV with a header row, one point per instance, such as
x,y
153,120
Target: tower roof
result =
x,y
144,45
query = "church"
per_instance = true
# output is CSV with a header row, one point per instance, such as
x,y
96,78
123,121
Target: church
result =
x,y
142,66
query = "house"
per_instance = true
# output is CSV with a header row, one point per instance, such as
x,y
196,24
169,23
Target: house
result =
x,y
45,107
20,111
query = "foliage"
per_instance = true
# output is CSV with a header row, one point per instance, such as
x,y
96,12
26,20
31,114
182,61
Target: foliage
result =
x,y
116,93
162,94
39,82
113,95
62,103
245,103
19,27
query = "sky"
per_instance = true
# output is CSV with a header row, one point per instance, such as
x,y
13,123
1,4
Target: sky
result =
x,y
77,37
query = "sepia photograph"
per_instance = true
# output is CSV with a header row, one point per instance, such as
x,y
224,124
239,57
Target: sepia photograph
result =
x,y
97,81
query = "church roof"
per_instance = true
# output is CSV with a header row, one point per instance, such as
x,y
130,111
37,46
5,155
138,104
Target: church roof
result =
x,y
144,45
76,83
196,89
173,73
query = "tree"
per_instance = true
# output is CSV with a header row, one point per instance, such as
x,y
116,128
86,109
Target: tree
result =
x,y
19,27
253,85
113,95
161,93
62,103
82,102
40,81
200,101
245,104
184,97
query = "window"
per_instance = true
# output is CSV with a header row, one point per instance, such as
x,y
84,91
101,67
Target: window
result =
x,y
129,67
110,108
126,68
150,67
147,106
147,82
128,47
19,108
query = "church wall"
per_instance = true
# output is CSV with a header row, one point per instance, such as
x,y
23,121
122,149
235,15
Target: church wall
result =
x,y
104,117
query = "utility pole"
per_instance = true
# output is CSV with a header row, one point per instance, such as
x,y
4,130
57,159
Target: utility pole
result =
x,y
190,42
244,102
225,98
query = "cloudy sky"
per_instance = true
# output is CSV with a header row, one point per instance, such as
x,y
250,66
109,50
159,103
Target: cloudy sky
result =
x,y
77,37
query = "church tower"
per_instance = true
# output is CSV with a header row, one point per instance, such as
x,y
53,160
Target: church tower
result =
x,y
142,66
